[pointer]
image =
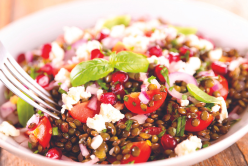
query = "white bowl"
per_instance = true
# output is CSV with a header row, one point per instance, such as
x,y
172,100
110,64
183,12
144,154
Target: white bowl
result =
x,y
225,28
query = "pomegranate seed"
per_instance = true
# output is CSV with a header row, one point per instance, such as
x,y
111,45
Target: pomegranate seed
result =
x,y
152,130
46,49
103,34
21,58
54,153
219,68
155,50
157,73
174,57
43,80
168,142
183,50
120,76
96,53
108,98
47,69
118,89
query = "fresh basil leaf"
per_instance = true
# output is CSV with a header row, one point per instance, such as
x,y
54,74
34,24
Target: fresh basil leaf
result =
x,y
129,62
25,111
119,20
185,30
90,71
201,95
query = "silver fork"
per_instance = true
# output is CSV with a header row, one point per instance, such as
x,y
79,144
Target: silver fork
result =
x,y
14,77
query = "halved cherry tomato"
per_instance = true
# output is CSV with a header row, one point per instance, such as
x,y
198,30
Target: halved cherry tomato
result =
x,y
133,102
119,47
43,132
221,86
219,68
225,59
81,112
158,74
152,130
203,123
145,151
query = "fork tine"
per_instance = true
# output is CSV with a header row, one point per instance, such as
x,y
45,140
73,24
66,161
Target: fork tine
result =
x,y
22,95
25,75
26,83
24,89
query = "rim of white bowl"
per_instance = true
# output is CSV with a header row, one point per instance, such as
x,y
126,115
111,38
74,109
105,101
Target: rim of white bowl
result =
x,y
172,161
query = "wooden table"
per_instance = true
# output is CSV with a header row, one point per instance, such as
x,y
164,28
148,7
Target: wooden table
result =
x,y
11,10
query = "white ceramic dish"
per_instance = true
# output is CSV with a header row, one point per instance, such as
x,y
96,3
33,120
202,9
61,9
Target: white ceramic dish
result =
x,y
223,27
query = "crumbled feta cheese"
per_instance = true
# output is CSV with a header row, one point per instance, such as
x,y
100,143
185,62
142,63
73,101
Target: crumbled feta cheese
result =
x,y
158,35
137,44
73,97
193,40
72,34
184,103
87,36
96,142
175,66
111,151
92,157
205,44
117,31
159,60
146,26
83,51
181,39
224,113
56,55
190,67
194,63
236,63
133,31
110,114
171,33
99,93
215,55
188,146
97,123
8,129
63,76
215,108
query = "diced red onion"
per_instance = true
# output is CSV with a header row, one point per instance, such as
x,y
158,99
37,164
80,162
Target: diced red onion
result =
x,y
216,86
13,118
110,42
78,43
80,157
119,106
66,158
193,100
29,56
91,162
93,103
34,119
74,60
206,73
7,108
69,54
21,138
84,150
143,88
144,98
25,144
64,86
92,89
233,114
179,76
51,85
141,118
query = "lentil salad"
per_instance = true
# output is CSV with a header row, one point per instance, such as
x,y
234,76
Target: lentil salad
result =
x,y
131,91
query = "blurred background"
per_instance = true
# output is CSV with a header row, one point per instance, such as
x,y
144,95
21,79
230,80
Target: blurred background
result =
x,y
11,10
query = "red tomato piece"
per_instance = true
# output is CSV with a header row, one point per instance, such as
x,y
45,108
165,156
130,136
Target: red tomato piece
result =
x,y
45,51
47,68
103,34
221,86
133,102
54,153
43,132
81,112
158,74
168,142
152,130
174,57
203,123
219,68
96,53
145,152
119,47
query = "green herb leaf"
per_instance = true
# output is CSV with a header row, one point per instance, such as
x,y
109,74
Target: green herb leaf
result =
x,y
205,145
234,121
171,88
184,97
173,50
181,122
102,84
131,162
123,147
185,56
197,149
126,92
209,105
90,71
118,97
40,113
151,78
134,104
161,133
29,145
129,62
125,98
174,43
104,131
185,30
55,131
37,151
165,73
118,20
8,94
33,73
62,91
128,124
152,157
25,111
59,83
200,95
